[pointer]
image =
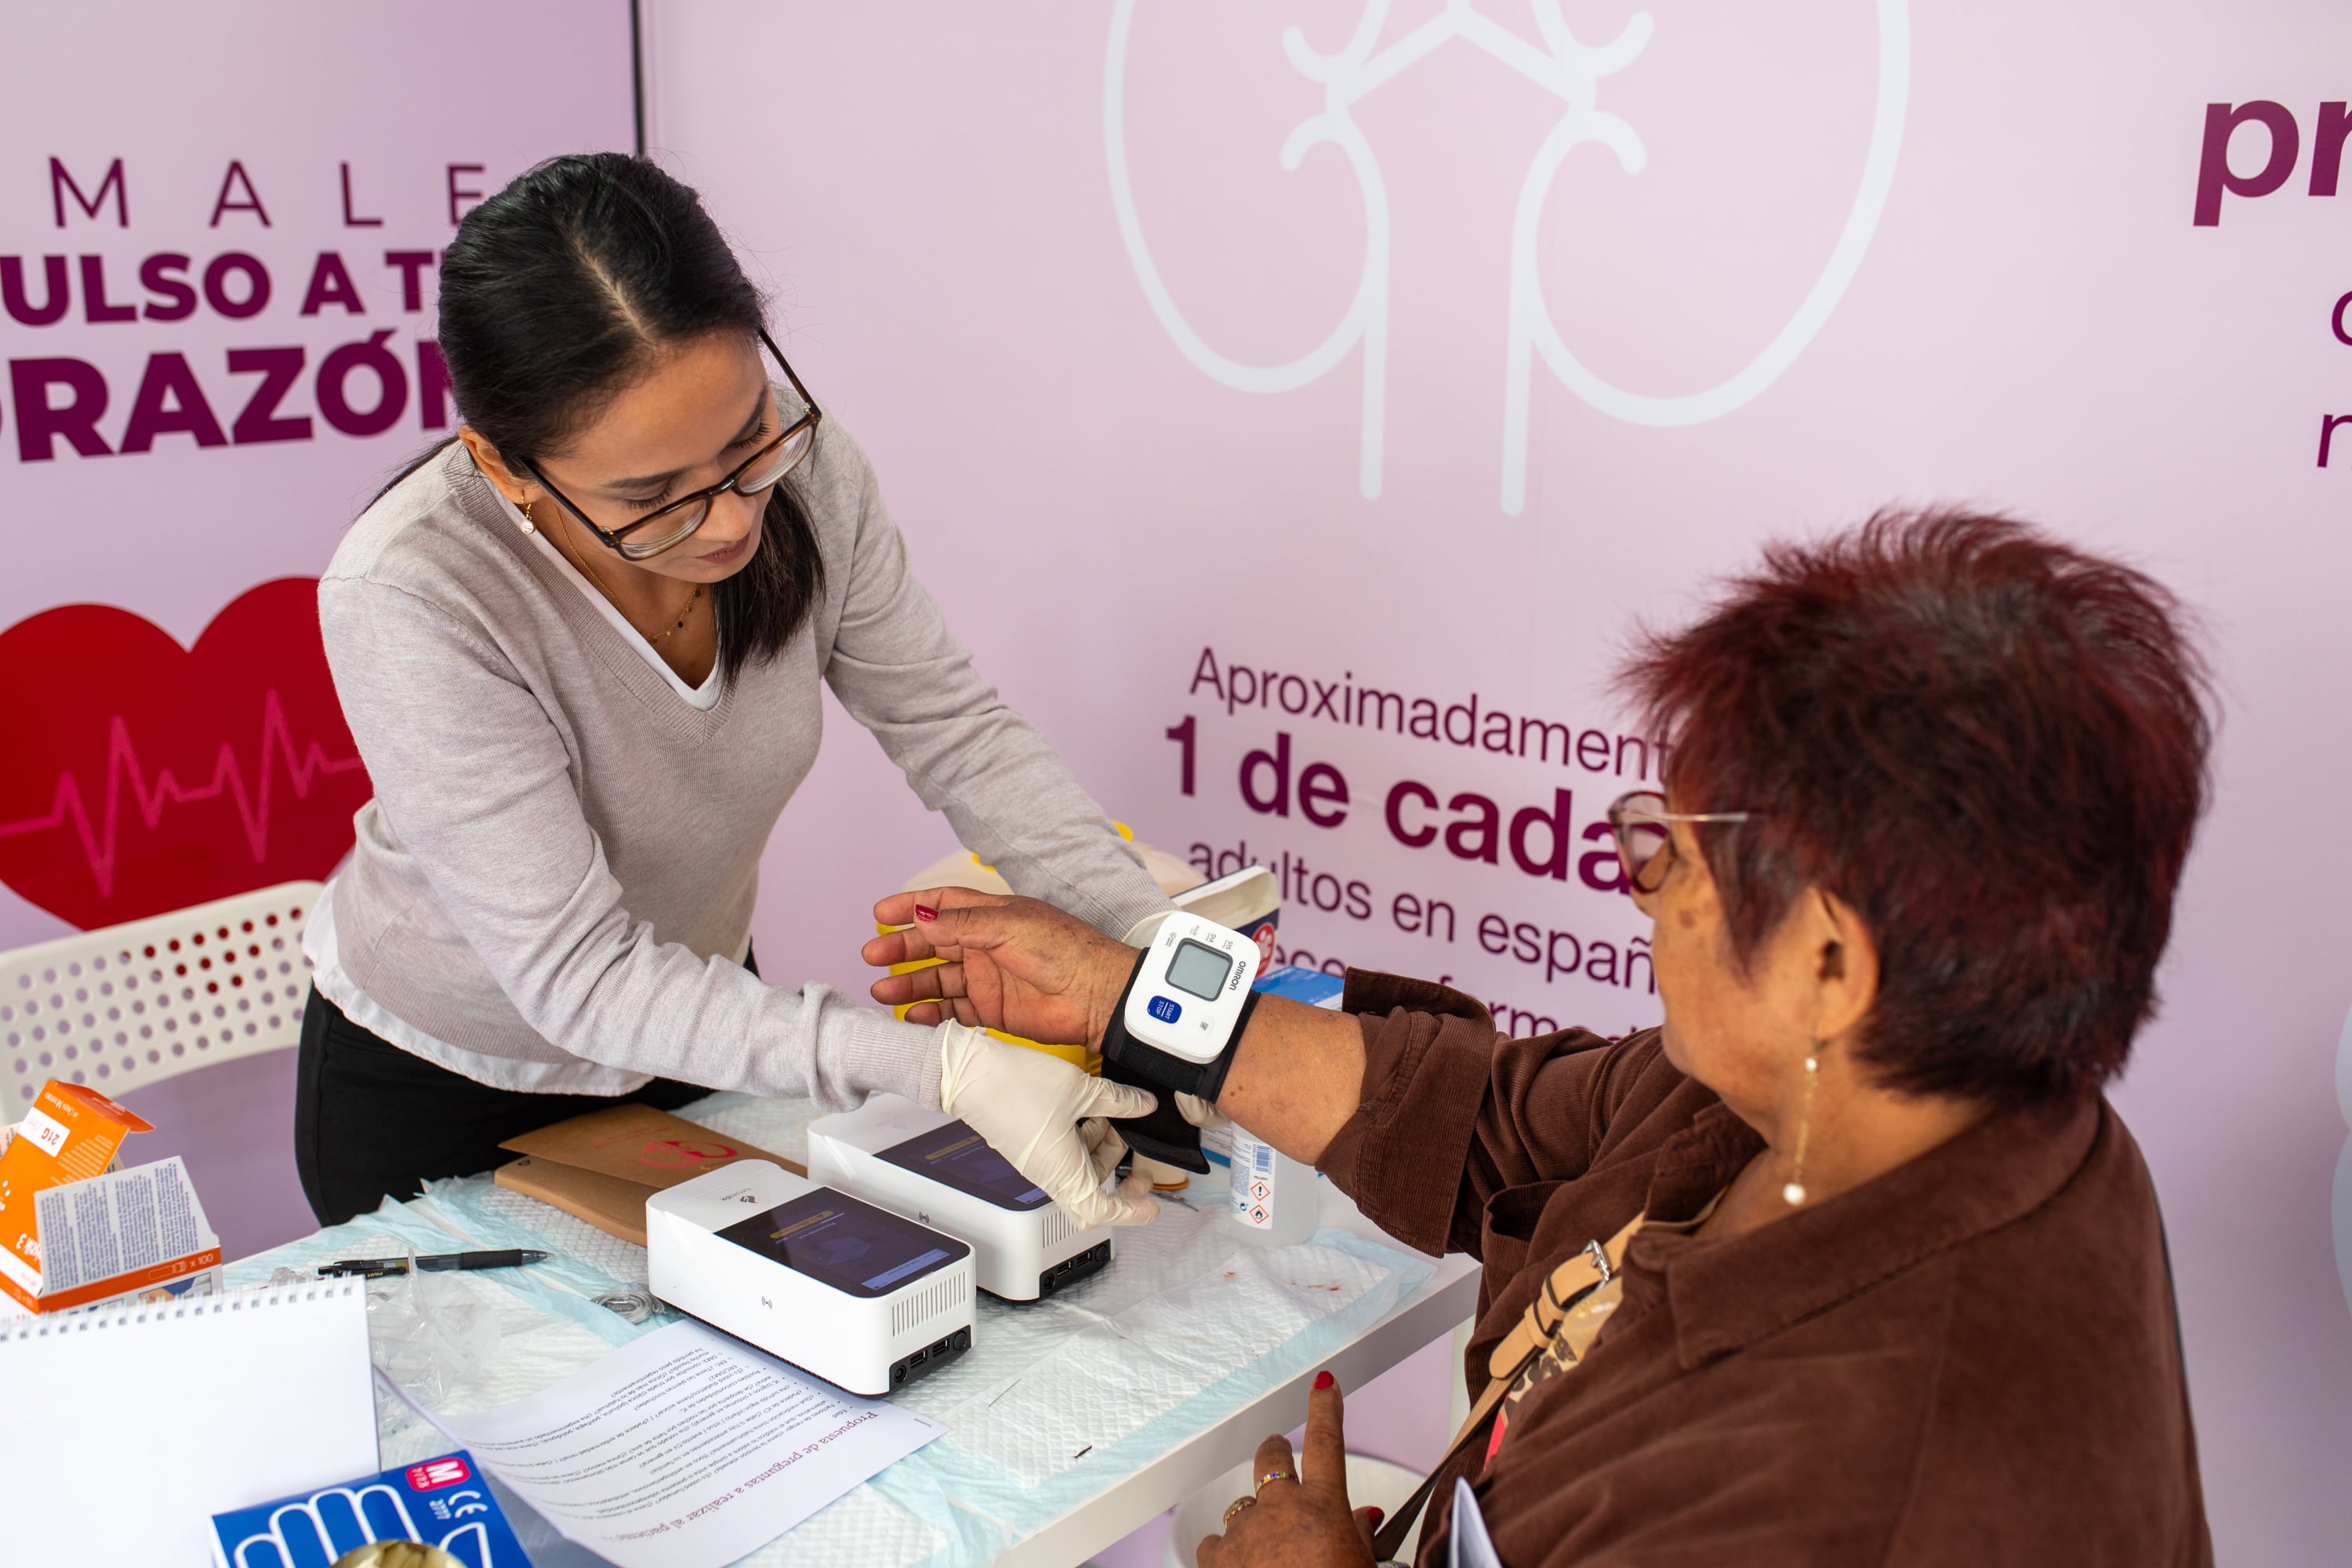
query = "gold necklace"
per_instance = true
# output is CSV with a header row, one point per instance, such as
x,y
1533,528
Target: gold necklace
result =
x,y
680,622
674,626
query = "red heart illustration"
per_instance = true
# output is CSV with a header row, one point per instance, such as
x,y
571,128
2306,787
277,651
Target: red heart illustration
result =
x,y
143,776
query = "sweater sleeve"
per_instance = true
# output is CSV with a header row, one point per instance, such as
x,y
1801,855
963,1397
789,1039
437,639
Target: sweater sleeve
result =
x,y
1452,1114
901,673
474,778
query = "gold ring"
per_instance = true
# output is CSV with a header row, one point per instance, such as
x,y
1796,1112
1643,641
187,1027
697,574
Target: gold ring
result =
x,y
1272,1476
1239,1503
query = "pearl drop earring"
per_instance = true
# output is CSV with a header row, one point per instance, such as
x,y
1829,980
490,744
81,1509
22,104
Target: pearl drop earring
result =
x,y
1794,1193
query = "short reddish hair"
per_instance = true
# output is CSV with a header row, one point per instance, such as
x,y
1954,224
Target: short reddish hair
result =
x,y
1991,745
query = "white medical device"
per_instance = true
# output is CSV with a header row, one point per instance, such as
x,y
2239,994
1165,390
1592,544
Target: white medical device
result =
x,y
933,1168
1186,997
1177,1026
858,1295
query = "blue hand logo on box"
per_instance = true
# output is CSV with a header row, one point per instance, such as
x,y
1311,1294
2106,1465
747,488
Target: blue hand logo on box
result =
x,y
442,1502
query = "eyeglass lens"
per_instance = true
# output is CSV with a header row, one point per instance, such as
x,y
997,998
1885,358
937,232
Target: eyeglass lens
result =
x,y
674,527
1643,842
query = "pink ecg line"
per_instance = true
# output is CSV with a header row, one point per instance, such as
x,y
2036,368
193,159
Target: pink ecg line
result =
x,y
98,844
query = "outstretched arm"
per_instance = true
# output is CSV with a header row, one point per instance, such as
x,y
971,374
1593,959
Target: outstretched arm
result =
x,y
1027,968
903,674
1408,1101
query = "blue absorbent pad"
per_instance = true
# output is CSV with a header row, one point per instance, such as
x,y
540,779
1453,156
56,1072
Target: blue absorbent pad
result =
x,y
1311,986
443,1501
1056,1400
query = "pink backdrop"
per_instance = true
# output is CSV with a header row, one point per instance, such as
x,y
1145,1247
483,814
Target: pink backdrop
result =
x,y
1796,261
169,732
1543,318
169,159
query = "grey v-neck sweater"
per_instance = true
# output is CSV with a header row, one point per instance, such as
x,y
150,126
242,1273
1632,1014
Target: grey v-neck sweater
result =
x,y
562,855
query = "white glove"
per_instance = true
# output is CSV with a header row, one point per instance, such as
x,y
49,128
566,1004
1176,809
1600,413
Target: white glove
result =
x,y
1202,1113
1045,1116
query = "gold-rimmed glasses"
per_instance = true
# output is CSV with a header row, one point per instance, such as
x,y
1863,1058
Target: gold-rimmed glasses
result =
x,y
1643,829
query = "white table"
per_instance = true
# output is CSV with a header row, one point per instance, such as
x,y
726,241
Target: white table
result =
x,y
1449,1297
1123,1504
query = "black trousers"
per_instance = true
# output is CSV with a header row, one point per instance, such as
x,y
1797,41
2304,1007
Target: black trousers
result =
x,y
373,1121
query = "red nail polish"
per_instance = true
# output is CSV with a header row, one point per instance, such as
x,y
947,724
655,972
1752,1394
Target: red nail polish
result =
x,y
925,912
1323,1380
1378,1515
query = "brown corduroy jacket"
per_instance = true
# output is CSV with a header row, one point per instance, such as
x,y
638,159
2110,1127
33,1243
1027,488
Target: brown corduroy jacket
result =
x,y
1971,1360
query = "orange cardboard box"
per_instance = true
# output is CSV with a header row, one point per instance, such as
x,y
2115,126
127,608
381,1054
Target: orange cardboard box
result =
x,y
138,1235
603,1166
71,1135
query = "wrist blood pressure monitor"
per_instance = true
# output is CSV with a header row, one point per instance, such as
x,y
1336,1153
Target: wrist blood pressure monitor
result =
x,y
1176,1027
861,1297
934,1169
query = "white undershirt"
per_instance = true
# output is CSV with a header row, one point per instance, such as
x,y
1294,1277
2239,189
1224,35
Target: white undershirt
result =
x,y
704,697
578,1076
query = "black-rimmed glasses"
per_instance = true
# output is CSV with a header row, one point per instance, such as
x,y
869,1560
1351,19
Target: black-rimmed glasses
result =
x,y
1645,838
677,522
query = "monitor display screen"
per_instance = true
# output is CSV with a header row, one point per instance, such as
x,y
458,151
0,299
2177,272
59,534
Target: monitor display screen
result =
x,y
956,1156
854,1247
1199,969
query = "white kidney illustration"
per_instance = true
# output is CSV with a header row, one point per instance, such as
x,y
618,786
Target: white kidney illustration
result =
x,y
1570,70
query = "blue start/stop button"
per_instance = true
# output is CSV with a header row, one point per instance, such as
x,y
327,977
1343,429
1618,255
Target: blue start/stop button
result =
x,y
1166,1009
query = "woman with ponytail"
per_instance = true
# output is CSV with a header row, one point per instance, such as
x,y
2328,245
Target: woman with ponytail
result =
x,y
581,646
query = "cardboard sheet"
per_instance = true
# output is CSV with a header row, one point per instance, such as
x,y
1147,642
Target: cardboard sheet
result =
x,y
602,1166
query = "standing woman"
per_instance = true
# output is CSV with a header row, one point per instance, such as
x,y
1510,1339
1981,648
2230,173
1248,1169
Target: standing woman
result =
x,y
579,647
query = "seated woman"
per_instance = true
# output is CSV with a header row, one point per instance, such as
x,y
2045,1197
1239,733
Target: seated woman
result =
x,y
1885,1278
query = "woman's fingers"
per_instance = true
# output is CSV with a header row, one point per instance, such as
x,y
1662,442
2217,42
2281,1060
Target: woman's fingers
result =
x,y
929,1013
909,946
944,936
1326,1446
934,983
922,921
1105,1147
1274,1460
901,909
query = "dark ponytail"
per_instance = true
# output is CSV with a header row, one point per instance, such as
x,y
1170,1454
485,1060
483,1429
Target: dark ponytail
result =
x,y
566,286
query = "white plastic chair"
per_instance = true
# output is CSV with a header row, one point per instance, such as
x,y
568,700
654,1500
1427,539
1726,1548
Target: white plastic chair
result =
x,y
127,1005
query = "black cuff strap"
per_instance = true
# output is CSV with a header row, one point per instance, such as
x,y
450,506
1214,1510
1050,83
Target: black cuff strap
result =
x,y
1165,1135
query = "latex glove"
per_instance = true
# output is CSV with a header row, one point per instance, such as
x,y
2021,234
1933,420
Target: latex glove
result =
x,y
1046,1117
1200,1113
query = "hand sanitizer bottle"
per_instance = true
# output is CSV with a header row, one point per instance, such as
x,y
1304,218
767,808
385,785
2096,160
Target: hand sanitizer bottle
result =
x,y
1273,1195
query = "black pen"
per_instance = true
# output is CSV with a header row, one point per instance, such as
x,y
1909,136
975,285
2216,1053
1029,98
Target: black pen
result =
x,y
513,1257
377,1268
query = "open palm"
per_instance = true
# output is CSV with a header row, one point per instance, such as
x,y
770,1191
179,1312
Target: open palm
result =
x,y
1008,964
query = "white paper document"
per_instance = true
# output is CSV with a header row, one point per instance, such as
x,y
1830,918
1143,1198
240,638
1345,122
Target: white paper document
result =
x,y
120,1223
687,1449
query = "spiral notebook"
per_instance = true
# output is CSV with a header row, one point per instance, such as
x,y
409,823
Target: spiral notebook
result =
x,y
124,1430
